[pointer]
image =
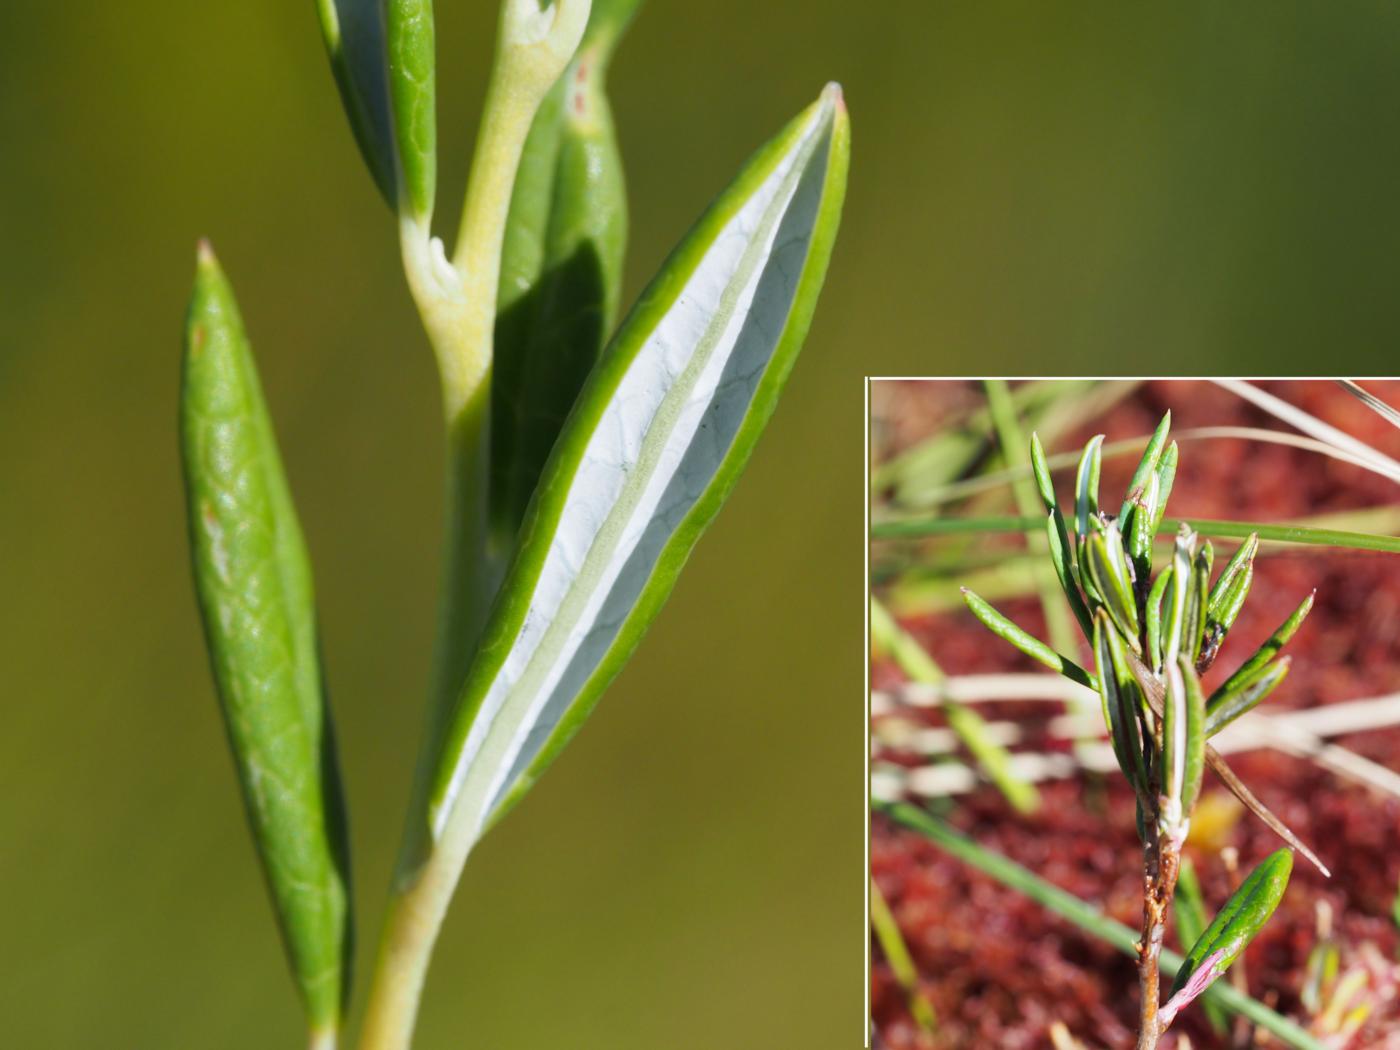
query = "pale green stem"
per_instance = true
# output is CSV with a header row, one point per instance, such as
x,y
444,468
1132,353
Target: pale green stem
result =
x,y
322,1039
457,303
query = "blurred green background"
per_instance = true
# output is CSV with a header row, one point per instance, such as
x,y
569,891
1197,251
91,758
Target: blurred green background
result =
x,y
1036,188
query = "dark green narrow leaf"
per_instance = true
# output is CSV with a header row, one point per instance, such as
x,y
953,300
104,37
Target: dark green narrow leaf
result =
x,y
353,31
1166,475
409,38
1108,567
1147,466
1086,484
1195,758
1061,558
253,580
1027,643
1177,595
1154,619
1118,690
1043,482
1227,704
1194,628
1269,649
561,271
1242,917
1139,527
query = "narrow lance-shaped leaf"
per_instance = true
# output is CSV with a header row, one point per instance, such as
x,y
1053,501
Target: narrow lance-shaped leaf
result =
x,y
1174,606
1062,559
1166,475
652,448
1027,643
561,268
1230,590
1270,648
1154,619
1139,528
1119,692
1086,484
1108,566
1147,466
1043,483
409,38
1226,705
1237,923
253,580
1194,625
353,31
1195,757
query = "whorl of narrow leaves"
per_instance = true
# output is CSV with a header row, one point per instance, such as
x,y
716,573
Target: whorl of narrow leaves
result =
x,y
1237,923
253,580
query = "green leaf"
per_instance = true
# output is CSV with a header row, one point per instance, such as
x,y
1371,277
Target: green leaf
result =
x,y
1027,643
561,269
353,31
1166,475
1266,652
1183,745
1108,567
1063,562
1119,691
1154,619
1139,527
1194,628
1043,483
1227,704
1086,484
655,443
253,580
1174,606
1230,590
409,41
1147,467
1237,923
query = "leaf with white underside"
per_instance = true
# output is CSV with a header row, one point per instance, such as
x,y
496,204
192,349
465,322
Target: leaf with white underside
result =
x,y
353,31
653,446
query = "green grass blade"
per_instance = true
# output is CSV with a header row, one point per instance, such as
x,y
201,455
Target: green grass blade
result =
x,y
1084,915
901,962
253,580
918,666
651,450
1280,532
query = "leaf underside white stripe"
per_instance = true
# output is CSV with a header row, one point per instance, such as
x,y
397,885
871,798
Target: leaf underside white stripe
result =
x,y
653,453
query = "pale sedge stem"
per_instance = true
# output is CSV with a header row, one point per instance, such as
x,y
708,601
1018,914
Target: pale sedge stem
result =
x,y
457,303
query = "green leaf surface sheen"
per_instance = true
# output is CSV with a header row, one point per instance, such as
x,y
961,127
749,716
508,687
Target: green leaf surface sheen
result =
x,y
253,581
650,451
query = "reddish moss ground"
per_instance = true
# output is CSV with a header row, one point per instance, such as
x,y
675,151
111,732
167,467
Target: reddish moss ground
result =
x,y
998,968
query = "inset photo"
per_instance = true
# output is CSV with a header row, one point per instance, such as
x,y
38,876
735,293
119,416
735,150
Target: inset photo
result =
x,y
1134,713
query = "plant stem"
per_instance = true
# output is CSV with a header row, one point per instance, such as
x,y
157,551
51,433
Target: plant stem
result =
x,y
1161,865
457,303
